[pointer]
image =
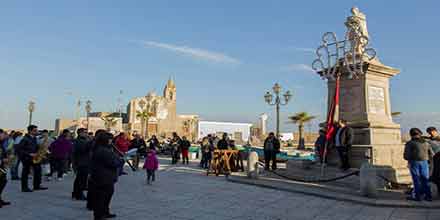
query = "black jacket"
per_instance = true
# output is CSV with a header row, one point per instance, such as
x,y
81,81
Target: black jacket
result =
x,y
27,145
140,145
345,137
81,152
154,143
222,144
417,149
104,165
3,153
175,144
276,144
185,145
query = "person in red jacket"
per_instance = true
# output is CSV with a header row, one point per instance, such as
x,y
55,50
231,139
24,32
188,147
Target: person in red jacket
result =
x,y
123,144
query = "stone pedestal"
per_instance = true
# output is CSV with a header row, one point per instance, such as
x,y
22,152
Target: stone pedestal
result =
x,y
368,180
252,165
365,105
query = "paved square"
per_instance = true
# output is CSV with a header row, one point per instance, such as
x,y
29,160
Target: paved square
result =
x,y
187,193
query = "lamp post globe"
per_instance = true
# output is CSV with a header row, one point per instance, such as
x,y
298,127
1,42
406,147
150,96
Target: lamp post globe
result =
x,y
287,96
276,88
268,97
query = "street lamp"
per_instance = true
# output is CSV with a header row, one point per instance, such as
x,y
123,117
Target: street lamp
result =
x,y
149,99
268,97
31,109
142,104
88,110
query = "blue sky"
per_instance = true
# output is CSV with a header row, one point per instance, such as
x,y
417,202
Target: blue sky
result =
x,y
223,54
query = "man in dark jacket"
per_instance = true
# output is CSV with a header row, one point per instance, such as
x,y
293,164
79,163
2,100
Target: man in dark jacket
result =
x,y
175,147
104,167
153,142
223,144
80,163
320,146
271,148
91,200
139,144
184,148
27,150
417,152
343,142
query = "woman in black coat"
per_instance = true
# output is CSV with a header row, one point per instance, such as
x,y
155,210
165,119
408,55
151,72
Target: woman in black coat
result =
x,y
103,175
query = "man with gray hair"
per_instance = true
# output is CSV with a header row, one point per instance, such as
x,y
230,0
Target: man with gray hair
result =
x,y
417,152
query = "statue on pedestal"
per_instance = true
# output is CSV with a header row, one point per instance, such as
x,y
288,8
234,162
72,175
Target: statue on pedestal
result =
x,y
358,85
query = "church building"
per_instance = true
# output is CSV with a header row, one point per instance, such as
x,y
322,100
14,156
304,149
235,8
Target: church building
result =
x,y
162,115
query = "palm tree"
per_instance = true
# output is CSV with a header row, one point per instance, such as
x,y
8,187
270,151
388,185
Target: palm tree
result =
x,y
300,119
109,122
144,115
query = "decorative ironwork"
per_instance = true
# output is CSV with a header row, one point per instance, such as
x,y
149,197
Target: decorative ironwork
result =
x,y
335,57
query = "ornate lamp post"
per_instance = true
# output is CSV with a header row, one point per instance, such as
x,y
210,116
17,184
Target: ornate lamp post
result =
x,y
88,110
31,109
78,115
142,104
268,97
149,99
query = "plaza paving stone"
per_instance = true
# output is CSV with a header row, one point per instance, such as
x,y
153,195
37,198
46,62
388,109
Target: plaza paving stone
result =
x,y
185,193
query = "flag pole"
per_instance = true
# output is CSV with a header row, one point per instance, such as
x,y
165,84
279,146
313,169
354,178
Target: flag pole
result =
x,y
332,116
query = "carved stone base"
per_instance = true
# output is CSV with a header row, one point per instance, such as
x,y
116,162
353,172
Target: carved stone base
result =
x,y
383,157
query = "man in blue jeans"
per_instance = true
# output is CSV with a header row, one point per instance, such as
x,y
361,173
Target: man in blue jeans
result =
x,y
417,152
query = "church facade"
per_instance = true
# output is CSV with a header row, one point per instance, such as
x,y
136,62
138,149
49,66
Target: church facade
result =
x,y
162,115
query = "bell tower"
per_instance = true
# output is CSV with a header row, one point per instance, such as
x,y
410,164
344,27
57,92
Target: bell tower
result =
x,y
169,123
170,91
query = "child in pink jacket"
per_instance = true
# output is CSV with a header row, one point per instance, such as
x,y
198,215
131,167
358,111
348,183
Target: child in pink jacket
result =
x,y
151,165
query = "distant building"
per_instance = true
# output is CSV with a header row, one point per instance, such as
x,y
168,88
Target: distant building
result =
x,y
164,119
240,132
188,125
112,122
63,123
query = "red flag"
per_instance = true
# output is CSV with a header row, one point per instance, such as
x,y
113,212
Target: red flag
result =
x,y
333,114
332,118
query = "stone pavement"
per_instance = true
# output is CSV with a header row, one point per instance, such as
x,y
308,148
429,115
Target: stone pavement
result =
x,y
187,193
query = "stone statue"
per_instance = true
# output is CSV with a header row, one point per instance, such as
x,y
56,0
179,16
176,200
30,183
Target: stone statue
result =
x,y
357,30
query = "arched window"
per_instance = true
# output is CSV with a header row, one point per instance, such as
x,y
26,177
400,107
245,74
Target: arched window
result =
x,y
171,95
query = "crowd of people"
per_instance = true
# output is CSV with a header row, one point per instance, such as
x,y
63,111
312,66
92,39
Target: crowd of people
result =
x,y
96,159
421,152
